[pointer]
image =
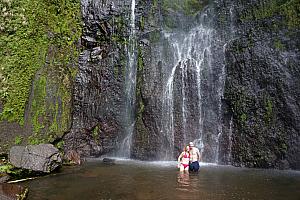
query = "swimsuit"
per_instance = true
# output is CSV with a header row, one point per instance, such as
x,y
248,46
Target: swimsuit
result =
x,y
185,165
187,156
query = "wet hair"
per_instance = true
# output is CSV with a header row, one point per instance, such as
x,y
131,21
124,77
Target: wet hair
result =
x,y
186,148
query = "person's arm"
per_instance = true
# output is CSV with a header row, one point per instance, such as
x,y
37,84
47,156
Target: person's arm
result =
x,y
179,159
199,155
191,155
180,156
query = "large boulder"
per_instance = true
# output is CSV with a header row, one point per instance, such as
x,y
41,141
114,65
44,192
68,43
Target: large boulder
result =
x,y
41,158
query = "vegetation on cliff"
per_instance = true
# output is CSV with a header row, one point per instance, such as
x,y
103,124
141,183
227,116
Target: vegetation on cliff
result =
x,y
289,9
30,31
188,7
260,96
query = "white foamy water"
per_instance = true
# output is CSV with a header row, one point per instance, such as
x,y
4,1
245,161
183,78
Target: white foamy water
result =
x,y
191,51
122,160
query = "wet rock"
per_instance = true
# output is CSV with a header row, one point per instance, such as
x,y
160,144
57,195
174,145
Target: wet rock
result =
x,y
98,95
96,53
260,112
3,178
145,42
89,41
262,90
73,157
12,192
109,161
41,158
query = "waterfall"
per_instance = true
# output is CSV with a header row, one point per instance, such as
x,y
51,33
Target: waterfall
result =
x,y
232,34
230,139
220,94
191,54
130,84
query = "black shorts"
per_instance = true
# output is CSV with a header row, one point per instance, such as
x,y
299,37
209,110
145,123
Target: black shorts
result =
x,y
194,166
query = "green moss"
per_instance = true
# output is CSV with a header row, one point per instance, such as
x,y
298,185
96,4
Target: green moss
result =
x,y
116,71
119,39
60,144
17,173
54,126
155,36
96,131
192,7
18,139
140,61
6,168
278,45
222,18
170,22
26,33
35,139
38,104
51,106
289,9
266,10
121,27
188,7
141,133
142,23
243,118
269,111
140,65
155,3
283,148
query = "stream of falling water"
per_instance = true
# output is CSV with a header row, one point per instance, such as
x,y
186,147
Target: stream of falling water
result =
x,y
130,82
220,93
191,51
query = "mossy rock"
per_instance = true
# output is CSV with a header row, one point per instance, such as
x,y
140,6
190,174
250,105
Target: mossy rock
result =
x,y
39,44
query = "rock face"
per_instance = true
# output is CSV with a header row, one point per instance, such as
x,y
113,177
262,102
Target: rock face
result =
x,y
222,74
41,158
181,81
262,90
99,84
36,101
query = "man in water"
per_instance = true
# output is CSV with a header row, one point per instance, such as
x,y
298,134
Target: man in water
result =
x,y
194,158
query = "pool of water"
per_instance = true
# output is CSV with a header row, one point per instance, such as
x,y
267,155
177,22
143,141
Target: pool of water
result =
x,y
161,180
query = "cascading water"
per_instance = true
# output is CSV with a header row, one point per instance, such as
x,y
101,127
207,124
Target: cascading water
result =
x,y
167,110
230,139
130,83
232,31
191,54
220,93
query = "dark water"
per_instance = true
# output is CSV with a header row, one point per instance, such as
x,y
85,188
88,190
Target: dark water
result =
x,y
141,180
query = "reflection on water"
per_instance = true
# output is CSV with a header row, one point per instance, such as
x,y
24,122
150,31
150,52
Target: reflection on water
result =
x,y
183,180
140,180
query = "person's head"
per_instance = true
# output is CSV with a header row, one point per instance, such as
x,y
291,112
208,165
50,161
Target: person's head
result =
x,y
191,145
186,148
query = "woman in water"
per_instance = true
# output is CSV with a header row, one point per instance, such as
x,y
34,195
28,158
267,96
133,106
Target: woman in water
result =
x,y
184,159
